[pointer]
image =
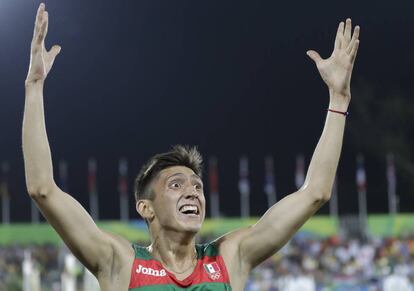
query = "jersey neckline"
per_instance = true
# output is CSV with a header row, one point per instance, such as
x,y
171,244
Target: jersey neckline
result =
x,y
189,279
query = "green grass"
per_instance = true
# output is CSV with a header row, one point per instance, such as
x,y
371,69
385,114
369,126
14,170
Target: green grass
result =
x,y
386,225
321,226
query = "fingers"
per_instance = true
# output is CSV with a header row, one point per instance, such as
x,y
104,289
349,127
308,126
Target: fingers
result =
x,y
354,51
355,37
38,21
39,14
339,34
41,24
46,20
314,56
347,33
42,33
343,38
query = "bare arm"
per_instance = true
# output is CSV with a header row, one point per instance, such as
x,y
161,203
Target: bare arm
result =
x,y
93,247
283,219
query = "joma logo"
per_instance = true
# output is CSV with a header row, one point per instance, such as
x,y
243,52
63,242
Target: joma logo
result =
x,y
151,272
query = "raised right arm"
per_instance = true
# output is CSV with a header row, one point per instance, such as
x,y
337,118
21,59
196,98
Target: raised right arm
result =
x,y
93,247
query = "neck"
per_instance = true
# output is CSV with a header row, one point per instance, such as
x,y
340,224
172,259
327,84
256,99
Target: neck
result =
x,y
175,250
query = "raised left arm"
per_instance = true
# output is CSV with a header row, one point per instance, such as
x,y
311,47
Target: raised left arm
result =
x,y
282,220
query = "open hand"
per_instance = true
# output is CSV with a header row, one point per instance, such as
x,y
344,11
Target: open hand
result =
x,y
41,60
336,70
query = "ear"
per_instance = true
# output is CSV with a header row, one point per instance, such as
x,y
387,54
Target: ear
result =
x,y
145,209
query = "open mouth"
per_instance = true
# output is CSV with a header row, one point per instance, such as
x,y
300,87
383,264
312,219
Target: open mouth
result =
x,y
189,209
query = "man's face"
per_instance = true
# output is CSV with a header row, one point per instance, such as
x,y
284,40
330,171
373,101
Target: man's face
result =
x,y
179,201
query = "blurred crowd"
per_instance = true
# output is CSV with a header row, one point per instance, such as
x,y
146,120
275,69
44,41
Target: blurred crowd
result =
x,y
338,264
303,264
14,260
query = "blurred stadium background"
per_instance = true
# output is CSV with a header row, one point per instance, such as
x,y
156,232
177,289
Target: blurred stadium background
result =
x,y
136,77
32,257
330,252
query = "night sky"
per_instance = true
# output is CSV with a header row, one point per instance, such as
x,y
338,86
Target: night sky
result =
x,y
232,77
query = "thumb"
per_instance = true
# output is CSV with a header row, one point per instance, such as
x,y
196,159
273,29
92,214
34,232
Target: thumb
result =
x,y
314,56
51,55
55,50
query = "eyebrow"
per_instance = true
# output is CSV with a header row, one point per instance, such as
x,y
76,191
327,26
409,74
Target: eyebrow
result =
x,y
181,174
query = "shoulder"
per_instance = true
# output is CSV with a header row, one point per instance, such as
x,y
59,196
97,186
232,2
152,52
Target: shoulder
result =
x,y
122,254
230,241
228,247
115,273
141,252
120,244
209,249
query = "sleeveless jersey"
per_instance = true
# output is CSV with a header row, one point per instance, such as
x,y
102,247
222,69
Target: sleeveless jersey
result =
x,y
210,272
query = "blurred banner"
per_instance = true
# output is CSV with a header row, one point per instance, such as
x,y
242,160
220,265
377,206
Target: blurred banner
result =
x,y
270,185
213,184
123,190
92,189
361,182
244,187
392,185
333,202
35,214
300,171
63,176
269,188
4,193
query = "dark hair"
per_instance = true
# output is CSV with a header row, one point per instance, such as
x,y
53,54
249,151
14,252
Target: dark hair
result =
x,y
179,155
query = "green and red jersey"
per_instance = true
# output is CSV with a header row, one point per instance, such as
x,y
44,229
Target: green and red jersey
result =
x,y
210,272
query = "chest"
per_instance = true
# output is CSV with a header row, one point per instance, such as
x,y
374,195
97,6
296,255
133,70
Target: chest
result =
x,y
209,273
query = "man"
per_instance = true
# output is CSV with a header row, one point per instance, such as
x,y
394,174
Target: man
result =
x,y
170,195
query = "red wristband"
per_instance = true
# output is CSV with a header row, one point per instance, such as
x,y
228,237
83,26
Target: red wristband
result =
x,y
346,113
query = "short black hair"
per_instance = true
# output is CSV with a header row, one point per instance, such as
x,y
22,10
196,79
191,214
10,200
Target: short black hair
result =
x,y
179,155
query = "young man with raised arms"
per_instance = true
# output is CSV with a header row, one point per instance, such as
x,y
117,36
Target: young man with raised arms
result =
x,y
170,197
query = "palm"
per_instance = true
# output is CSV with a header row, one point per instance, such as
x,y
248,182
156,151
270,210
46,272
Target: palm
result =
x,y
41,60
336,70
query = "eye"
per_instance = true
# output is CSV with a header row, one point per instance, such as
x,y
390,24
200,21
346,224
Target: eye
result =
x,y
198,186
175,185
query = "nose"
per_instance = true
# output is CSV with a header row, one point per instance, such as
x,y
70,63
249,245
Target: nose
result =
x,y
192,192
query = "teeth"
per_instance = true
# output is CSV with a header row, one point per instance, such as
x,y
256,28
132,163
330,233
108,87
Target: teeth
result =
x,y
191,208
